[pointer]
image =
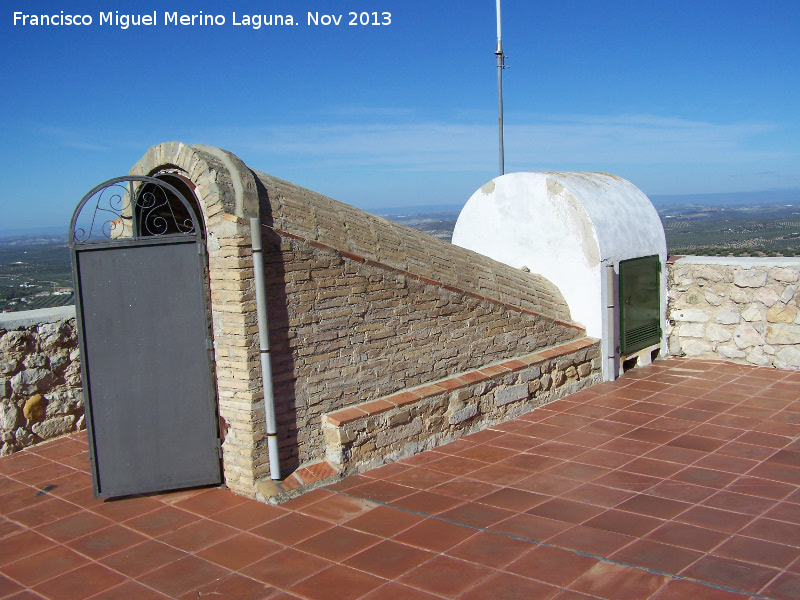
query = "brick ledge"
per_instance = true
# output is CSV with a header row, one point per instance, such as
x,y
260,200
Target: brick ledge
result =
x,y
454,382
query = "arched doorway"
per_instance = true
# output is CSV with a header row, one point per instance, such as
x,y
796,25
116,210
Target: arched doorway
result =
x,y
140,281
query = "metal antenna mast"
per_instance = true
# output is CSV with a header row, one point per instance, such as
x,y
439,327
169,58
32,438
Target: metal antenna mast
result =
x,y
500,66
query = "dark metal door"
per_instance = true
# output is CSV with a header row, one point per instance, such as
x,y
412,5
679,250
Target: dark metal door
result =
x,y
139,270
640,303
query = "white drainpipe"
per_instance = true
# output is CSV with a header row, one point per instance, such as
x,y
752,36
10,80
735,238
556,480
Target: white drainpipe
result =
x,y
263,340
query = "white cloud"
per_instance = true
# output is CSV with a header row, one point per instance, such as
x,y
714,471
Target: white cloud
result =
x,y
638,139
548,140
383,151
531,141
77,139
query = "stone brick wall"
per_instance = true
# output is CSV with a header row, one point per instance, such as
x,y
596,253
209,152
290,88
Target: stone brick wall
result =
x,y
738,309
40,382
344,331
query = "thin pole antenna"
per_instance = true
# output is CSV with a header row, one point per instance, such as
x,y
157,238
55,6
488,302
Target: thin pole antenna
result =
x,y
500,66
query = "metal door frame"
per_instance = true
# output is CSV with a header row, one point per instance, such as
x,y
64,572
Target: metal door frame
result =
x,y
120,209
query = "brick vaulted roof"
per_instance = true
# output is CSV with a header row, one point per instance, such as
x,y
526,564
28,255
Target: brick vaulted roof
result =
x,y
356,234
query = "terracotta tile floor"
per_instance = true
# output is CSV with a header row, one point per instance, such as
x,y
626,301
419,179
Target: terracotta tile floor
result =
x,y
681,480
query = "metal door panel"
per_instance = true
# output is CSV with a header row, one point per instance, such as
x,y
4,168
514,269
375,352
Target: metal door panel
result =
x,y
640,303
145,333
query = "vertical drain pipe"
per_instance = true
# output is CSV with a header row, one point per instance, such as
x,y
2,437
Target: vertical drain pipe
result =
x,y
611,345
263,342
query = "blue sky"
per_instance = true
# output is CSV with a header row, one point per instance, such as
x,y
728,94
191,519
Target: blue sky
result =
x,y
679,97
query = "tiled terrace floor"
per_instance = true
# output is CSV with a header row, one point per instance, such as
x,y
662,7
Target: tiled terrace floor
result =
x,y
681,480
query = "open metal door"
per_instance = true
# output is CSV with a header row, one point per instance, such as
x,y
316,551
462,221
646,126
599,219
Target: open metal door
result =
x,y
640,303
139,271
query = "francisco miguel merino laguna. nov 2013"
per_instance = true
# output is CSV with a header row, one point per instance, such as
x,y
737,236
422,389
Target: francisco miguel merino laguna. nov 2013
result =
x,y
125,21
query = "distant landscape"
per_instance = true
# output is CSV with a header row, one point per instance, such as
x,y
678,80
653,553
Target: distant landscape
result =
x,y
743,224
35,272
35,269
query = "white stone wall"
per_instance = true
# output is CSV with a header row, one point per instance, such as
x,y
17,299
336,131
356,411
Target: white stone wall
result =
x,y
40,381
738,309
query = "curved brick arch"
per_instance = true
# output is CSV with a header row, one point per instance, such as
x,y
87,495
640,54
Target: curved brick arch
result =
x,y
224,184
225,191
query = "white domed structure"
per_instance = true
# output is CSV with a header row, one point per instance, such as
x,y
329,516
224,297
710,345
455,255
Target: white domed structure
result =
x,y
569,228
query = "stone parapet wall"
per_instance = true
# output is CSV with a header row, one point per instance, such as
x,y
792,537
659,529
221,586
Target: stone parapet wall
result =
x,y
365,436
345,330
737,309
41,395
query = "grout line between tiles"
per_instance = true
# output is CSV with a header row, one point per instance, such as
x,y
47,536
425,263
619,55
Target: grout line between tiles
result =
x,y
554,546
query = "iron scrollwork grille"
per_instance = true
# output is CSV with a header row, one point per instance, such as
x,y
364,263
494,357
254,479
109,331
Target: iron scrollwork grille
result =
x,y
133,208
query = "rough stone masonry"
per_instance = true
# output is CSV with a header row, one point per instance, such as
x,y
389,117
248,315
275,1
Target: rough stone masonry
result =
x,y
742,310
400,425
40,382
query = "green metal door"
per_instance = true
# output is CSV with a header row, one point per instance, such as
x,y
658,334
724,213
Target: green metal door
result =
x,y
640,303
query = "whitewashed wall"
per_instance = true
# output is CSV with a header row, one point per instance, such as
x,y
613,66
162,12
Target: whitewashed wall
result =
x,y
566,227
